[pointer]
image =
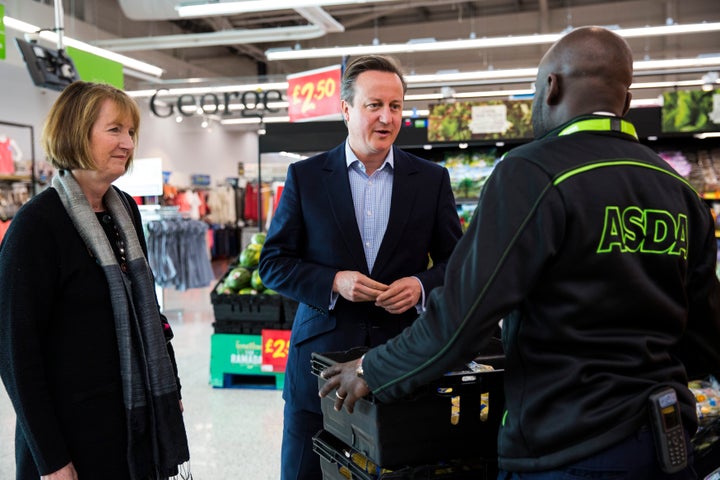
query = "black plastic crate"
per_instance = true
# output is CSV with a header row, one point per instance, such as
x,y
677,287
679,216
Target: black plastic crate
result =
x,y
251,327
454,417
706,446
340,462
258,307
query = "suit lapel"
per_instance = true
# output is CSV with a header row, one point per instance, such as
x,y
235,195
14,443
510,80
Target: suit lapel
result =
x,y
405,189
341,205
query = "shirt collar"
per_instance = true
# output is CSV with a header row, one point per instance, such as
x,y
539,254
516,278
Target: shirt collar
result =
x,y
351,158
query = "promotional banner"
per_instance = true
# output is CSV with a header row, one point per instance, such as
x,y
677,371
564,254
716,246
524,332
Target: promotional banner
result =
x,y
691,111
491,120
314,95
276,344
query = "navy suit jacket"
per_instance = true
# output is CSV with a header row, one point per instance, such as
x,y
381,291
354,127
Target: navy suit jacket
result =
x,y
314,234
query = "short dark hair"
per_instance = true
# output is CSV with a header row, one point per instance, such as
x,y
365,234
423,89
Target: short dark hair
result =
x,y
66,133
367,63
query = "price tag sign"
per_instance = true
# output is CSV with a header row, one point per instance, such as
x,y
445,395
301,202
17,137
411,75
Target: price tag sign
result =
x,y
275,347
314,95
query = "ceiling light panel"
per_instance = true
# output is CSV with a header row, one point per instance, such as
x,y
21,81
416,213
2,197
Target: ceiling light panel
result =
x,y
249,6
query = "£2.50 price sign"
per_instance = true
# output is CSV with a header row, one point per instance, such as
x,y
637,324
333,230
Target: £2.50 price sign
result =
x,y
314,94
276,344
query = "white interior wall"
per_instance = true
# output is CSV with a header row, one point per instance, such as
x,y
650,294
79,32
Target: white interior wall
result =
x,y
187,149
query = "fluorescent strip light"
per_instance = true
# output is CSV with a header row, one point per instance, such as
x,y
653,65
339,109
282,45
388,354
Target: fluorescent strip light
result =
x,y
639,66
494,93
220,37
254,120
248,6
672,84
423,96
677,63
644,102
128,62
662,30
477,43
415,113
476,75
236,107
702,136
392,48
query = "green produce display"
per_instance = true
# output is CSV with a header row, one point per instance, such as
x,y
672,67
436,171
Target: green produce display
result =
x,y
237,279
258,239
222,289
243,277
690,111
256,281
250,256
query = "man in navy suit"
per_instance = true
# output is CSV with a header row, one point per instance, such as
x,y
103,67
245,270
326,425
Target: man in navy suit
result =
x,y
352,240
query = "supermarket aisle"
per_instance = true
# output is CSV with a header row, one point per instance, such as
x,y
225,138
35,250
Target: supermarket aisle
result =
x,y
233,433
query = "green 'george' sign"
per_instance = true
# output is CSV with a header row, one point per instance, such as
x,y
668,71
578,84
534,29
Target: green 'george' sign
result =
x,y
93,68
2,32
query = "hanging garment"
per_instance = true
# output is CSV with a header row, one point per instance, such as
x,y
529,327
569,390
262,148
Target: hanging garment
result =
x,y
178,253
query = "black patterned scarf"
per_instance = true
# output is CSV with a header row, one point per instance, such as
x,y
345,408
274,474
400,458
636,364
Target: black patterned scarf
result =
x,y
157,441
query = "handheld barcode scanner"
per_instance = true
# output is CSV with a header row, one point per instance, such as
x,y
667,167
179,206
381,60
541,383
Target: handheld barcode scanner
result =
x,y
667,429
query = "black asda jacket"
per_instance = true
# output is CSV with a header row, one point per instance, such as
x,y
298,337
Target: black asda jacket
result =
x,y
600,258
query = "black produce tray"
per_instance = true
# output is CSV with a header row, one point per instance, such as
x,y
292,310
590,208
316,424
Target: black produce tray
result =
x,y
340,462
421,428
706,446
259,308
246,327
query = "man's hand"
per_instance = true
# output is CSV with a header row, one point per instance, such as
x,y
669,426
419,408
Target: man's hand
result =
x,y
356,287
402,295
66,473
343,378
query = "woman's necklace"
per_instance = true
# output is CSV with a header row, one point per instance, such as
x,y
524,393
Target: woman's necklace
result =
x,y
119,247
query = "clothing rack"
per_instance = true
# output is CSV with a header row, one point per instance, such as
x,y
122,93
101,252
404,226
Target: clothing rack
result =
x,y
177,249
150,213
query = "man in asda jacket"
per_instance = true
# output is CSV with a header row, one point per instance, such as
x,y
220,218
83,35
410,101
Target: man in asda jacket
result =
x,y
599,257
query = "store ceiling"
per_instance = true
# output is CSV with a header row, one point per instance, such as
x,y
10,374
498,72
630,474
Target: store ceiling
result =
x,y
370,22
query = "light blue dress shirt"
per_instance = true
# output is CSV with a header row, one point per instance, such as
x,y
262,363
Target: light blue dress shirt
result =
x,y
372,196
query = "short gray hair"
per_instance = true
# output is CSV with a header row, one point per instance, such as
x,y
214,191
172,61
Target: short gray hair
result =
x,y
367,63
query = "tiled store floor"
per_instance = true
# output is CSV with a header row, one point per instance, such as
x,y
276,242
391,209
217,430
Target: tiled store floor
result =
x,y
233,433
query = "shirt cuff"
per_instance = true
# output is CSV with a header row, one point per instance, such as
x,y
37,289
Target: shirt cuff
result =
x,y
420,307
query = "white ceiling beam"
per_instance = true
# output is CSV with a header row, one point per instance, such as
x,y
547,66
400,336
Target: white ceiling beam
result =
x,y
319,17
224,37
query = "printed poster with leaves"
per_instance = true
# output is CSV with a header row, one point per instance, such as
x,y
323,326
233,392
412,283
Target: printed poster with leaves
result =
x,y
690,111
491,120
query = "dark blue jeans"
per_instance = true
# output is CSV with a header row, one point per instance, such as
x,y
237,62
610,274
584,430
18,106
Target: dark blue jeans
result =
x,y
631,459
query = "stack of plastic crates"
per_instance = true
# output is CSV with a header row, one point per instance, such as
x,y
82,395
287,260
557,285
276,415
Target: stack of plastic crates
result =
x,y
445,430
